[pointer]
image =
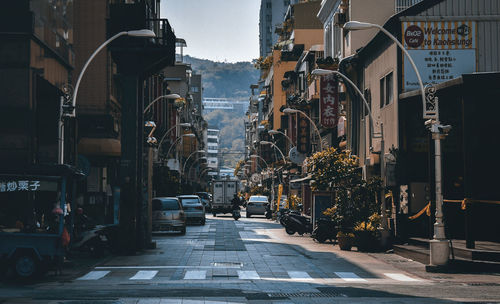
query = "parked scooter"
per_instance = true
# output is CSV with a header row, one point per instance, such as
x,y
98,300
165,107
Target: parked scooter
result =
x,y
297,223
236,214
326,229
93,241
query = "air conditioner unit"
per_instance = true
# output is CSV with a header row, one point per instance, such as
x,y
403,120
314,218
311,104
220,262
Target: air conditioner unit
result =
x,y
339,18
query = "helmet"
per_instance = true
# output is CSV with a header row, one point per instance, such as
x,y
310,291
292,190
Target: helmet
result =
x,y
57,210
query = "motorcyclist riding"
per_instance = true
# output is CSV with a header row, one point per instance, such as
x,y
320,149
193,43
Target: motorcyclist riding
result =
x,y
235,202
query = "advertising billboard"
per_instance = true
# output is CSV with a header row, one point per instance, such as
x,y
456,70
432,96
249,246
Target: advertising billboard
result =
x,y
441,51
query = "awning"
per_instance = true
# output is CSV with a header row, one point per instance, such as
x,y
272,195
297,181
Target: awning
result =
x,y
100,146
298,180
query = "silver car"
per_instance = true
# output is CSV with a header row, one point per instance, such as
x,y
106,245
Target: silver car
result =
x,y
257,204
168,215
193,208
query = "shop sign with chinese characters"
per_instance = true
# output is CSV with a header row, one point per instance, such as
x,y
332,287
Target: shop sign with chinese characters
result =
x,y
328,105
27,185
303,135
441,51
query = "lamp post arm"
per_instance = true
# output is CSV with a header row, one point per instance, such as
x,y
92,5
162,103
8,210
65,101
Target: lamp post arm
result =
x,y
422,91
185,163
315,128
360,95
173,145
282,155
164,135
262,159
73,103
289,139
152,103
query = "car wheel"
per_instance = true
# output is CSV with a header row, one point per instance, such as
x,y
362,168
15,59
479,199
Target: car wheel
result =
x,y
289,231
249,214
25,265
214,214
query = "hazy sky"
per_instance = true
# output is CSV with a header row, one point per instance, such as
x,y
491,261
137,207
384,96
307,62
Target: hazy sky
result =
x,y
219,30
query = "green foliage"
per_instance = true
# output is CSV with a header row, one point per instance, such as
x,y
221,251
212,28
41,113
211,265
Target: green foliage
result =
x,y
238,166
355,198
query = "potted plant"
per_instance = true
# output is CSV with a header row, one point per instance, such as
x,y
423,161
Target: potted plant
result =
x,y
345,240
328,63
366,233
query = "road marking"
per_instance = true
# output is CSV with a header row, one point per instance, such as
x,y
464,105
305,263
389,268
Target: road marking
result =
x,y
144,275
248,275
162,267
195,275
299,275
93,275
401,277
349,277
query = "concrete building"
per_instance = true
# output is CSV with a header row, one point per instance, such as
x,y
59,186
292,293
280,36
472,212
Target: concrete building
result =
x,y
271,16
213,152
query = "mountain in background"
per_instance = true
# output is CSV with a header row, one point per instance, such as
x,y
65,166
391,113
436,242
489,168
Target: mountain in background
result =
x,y
226,80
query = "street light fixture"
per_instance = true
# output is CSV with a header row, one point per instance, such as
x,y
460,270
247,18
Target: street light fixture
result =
x,y
275,132
292,111
177,141
184,125
144,33
439,248
257,156
169,96
265,142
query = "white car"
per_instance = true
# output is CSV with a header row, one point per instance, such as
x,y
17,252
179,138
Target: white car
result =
x,y
257,204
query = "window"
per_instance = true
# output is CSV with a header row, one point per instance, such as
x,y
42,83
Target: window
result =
x,y
195,89
386,90
269,5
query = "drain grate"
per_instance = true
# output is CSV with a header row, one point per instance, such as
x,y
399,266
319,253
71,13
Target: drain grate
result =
x,y
329,294
482,284
228,264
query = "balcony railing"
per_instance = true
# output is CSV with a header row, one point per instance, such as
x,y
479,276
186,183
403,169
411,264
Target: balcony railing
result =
x,y
401,5
164,33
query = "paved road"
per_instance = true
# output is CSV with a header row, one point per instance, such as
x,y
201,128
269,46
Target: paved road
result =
x,y
253,261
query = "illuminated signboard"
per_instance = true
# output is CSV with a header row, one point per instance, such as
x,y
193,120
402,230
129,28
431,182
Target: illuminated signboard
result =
x,y
329,102
441,51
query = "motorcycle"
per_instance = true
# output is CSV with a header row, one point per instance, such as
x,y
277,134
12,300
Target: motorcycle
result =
x,y
269,213
297,223
326,229
236,214
92,241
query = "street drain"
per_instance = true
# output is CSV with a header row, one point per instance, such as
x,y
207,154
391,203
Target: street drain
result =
x,y
482,284
227,264
224,276
330,294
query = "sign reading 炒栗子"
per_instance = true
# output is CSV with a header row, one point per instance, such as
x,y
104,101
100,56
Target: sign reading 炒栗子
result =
x,y
441,51
328,102
13,185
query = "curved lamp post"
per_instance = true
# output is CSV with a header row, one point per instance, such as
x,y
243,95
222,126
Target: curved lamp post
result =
x,y
178,140
169,96
187,159
194,162
439,248
291,111
274,132
265,142
144,33
184,125
260,157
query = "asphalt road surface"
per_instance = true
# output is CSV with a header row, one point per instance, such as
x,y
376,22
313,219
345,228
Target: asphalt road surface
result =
x,y
251,261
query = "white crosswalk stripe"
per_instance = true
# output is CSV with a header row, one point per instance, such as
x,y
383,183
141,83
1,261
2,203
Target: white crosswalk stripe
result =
x,y
195,275
349,277
302,275
93,275
401,277
144,275
248,275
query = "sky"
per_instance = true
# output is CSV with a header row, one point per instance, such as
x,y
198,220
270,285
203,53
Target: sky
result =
x,y
219,30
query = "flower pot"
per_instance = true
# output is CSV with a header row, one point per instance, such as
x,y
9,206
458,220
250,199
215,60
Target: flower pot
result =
x,y
366,241
345,242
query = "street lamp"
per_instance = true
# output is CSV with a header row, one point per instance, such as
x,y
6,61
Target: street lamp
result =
x,y
187,159
265,142
177,141
144,33
322,72
439,248
169,96
291,111
69,110
274,132
257,156
184,125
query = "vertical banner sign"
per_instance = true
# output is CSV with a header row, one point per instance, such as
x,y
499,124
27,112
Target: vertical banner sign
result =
x,y
441,51
280,193
303,135
329,102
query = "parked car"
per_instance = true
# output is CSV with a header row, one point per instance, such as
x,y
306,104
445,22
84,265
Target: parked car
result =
x,y
193,208
205,200
257,204
168,215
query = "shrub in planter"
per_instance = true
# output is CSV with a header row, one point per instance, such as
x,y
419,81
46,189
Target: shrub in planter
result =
x,y
345,240
366,232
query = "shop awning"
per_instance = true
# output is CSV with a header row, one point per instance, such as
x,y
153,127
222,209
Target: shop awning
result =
x,y
100,146
298,180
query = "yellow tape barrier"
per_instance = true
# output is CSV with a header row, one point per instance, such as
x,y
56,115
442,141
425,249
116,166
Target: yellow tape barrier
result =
x,y
426,209
466,201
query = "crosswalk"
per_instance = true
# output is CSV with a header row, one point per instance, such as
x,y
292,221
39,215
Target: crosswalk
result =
x,y
201,274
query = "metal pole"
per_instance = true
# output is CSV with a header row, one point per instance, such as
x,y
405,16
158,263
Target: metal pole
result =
x,y
60,159
315,128
150,197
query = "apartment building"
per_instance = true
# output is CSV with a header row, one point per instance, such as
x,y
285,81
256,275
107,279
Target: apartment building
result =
x,y
271,16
